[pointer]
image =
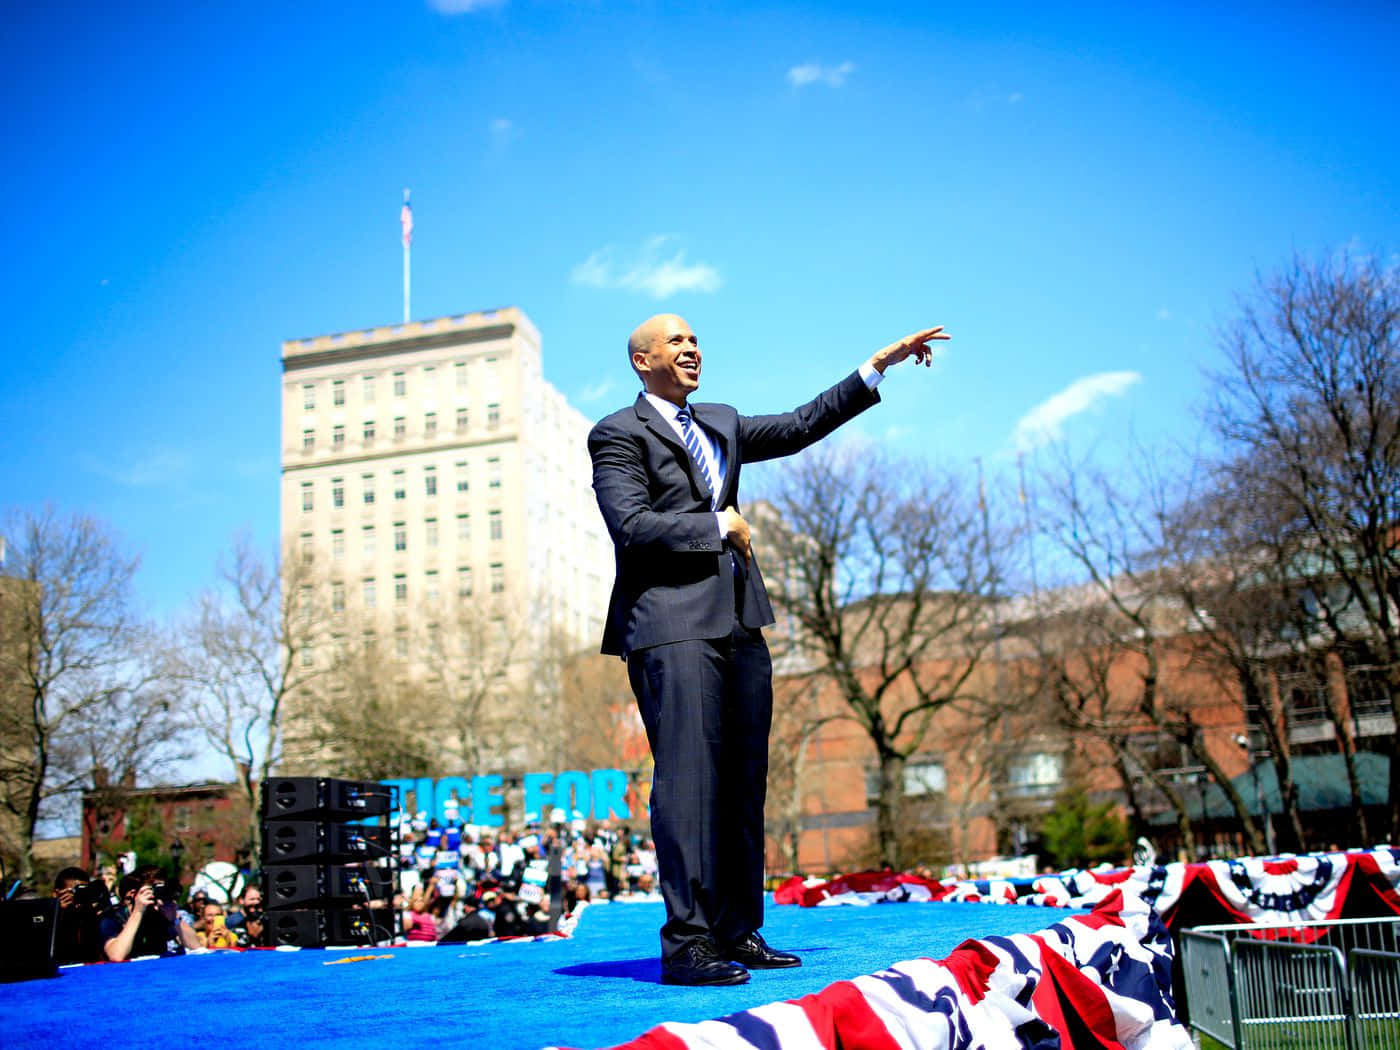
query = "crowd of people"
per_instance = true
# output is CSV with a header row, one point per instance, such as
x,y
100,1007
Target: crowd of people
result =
x,y
462,883
456,883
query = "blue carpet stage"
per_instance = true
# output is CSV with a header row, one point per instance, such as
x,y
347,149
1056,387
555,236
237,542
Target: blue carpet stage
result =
x,y
599,988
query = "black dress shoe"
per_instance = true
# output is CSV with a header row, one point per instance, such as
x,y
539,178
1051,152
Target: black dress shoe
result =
x,y
699,963
753,951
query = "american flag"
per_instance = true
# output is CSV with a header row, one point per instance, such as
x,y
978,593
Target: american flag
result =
x,y
406,221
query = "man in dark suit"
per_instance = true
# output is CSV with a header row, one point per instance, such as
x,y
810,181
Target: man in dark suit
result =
x,y
686,613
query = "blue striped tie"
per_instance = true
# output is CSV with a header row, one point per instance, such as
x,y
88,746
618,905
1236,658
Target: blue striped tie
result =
x,y
697,453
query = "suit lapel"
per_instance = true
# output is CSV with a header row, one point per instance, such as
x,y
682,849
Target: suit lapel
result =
x,y
661,429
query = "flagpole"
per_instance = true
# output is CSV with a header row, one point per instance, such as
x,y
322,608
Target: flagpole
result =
x,y
406,221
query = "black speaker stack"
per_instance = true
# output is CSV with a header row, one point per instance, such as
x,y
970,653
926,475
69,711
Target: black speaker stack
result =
x,y
330,861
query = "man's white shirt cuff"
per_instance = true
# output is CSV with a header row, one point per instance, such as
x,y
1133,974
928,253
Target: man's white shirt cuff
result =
x,y
870,376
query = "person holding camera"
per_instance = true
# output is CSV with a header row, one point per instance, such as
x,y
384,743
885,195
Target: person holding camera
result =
x,y
81,902
146,922
247,921
216,933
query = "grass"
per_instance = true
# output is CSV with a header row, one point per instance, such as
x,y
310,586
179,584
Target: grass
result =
x,y
1383,1034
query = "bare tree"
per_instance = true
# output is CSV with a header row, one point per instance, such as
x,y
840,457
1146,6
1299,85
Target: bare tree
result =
x,y
1308,410
888,578
1119,660
249,653
83,697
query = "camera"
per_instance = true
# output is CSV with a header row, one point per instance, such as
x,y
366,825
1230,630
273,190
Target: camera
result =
x,y
94,895
165,892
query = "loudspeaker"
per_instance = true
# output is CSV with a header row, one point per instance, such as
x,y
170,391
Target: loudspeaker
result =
x,y
26,938
317,928
294,841
321,798
299,885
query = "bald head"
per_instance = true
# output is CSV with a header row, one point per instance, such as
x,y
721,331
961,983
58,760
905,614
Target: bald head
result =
x,y
646,333
665,354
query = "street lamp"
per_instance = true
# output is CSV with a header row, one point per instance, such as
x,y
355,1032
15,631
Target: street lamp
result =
x,y
1256,757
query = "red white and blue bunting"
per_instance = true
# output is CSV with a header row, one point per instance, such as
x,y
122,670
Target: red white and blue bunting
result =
x,y
1282,889
1100,981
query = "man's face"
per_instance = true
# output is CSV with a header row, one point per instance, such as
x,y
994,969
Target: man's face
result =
x,y
670,364
252,899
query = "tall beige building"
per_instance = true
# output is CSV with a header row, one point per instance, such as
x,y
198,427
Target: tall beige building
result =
x,y
429,468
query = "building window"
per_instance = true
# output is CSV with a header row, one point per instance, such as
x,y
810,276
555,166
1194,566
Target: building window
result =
x,y
338,437
493,416
400,537
464,581
1037,774
369,593
464,528
367,481
367,390
495,527
400,384
308,397
463,477
430,533
463,418
429,374
493,472
308,440
400,589
367,543
338,544
338,393
923,777
431,589
338,493
460,368
400,645
430,481
337,597
308,499
430,424
498,578
308,548
369,433
400,428
399,491
308,656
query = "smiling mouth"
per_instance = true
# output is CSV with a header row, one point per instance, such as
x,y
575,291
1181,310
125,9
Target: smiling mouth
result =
x,y
689,368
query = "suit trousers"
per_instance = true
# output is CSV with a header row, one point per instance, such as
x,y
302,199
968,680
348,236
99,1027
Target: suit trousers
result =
x,y
707,705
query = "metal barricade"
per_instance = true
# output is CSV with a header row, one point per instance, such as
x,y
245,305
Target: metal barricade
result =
x,y
1324,985
1210,988
1290,995
1375,998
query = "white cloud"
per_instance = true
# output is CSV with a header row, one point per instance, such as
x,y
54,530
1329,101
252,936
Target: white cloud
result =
x,y
157,467
646,270
461,7
813,73
1015,97
596,391
1164,314
501,126
1042,424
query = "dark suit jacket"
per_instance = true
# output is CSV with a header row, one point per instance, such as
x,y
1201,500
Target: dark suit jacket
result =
x,y
675,576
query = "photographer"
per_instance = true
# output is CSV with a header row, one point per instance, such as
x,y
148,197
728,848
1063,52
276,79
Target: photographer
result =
x,y
81,902
146,922
247,921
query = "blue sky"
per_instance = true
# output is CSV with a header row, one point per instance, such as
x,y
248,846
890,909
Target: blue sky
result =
x,y
1079,197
